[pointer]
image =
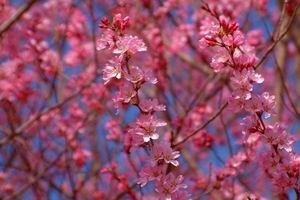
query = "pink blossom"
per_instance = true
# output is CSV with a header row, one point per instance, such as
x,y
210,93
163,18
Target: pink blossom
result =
x,y
114,130
106,40
251,125
149,76
132,142
243,61
241,85
112,70
180,195
249,196
151,105
253,105
163,151
126,94
255,37
150,172
253,76
220,59
235,40
130,44
120,23
81,156
237,160
236,104
146,126
137,75
277,135
57,115
261,6
209,27
169,184
268,104
228,26
203,140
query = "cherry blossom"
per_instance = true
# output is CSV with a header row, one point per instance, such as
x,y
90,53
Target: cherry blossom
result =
x,y
169,185
112,70
268,104
276,135
114,130
126,94
81,156
146,126
151,105
150,172
106,41
154,100
130,44
164,152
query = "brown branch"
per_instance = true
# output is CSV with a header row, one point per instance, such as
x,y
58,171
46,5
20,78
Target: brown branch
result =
x,y
16,194
203,126
13,19
274,44
255,67
36,117
121,194
285,88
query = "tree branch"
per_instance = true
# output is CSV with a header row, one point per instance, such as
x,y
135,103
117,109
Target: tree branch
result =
x,y
13,19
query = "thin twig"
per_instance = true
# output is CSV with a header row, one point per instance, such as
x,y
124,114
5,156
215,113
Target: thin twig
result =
x,y
255,67
203,126
270,49
16,194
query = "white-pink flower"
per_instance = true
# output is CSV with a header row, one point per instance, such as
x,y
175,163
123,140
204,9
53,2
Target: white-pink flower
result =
x,y
130,44
151,105
112,70
125,94
138,75
268,104
169,184
163,151
277,135
241,85
106,40
146,126
150,172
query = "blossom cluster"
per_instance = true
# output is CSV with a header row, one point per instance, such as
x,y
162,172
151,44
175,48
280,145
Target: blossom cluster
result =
x,y
232,52
144,132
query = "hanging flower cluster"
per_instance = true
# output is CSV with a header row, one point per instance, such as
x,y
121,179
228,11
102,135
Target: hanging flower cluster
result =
x,y
234,53
144,132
